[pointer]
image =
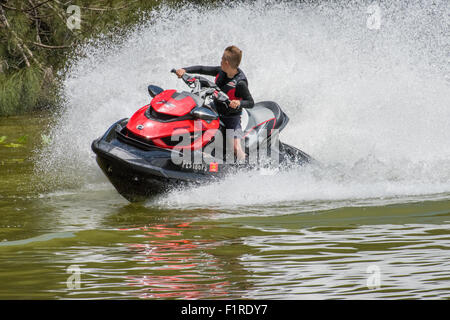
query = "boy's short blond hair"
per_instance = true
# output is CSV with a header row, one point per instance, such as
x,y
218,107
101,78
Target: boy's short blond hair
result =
x,y
233,55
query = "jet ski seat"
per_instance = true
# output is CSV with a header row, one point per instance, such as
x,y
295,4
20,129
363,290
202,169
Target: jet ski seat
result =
x,y
261,112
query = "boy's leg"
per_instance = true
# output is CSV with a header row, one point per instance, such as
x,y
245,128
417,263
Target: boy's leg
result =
x,y
240,154
234,123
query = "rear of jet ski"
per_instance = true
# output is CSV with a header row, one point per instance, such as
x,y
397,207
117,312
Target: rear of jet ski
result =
x,y
262,124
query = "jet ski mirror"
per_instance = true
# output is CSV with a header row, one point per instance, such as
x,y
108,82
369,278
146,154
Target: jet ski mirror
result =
x,y
154,90
204,114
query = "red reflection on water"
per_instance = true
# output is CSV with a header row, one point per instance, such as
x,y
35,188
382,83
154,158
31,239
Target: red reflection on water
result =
x,y
192,268
178,286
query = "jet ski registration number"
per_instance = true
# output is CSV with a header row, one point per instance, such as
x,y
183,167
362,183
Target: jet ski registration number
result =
x,y
194,166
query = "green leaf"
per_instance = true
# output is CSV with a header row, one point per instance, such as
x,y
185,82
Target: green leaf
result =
x,y
2,139
22,139
13,145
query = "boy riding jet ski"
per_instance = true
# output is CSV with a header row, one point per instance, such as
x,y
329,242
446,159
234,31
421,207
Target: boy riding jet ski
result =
x,y
175,140
232,81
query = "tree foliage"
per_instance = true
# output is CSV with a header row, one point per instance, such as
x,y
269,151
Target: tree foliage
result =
x,y
35,41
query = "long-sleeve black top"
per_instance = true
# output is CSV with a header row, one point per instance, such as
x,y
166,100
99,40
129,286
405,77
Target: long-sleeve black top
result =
x,y
242,90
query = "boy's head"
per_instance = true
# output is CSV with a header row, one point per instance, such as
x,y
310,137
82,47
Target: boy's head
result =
x,y
231,58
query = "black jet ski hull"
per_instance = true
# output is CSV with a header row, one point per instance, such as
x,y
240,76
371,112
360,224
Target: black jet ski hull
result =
x,y
140,173
134,185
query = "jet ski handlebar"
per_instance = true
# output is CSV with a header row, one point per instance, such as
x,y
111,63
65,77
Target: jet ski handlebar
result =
x,y
198,83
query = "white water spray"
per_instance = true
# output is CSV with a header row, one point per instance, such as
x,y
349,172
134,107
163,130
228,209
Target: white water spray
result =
x,y
369,99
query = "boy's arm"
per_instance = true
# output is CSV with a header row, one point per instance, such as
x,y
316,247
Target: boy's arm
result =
x,y
243,92
209,71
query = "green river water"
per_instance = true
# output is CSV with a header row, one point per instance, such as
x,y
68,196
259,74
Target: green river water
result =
x,y
90,243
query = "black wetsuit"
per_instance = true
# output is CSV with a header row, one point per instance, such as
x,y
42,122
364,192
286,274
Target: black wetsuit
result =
x,y
236,88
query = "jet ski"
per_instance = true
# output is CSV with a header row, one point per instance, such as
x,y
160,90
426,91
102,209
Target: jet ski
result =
x,y
178,139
